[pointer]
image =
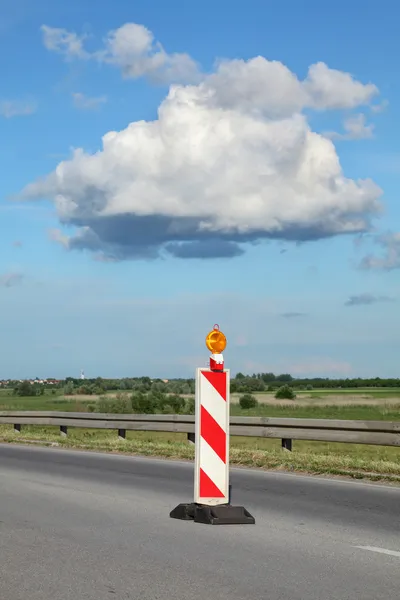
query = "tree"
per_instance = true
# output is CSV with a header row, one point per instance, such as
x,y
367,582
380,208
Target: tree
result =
x,y
285,393
177,403
248,401
98,390
69,388
143,403
85,390
285,377
190,407
268,377
186,389
25,388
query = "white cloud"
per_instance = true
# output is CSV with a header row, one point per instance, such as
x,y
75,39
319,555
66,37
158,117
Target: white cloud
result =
x,y
333,89
229,160
131,47
134,50
64,42
16,108
86,102
378,108
57,236
390,242
355,128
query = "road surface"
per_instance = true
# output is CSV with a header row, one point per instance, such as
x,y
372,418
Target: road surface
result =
x,y
83,526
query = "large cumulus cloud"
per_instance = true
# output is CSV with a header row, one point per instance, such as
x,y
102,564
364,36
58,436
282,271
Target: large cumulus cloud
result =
x,y
230,160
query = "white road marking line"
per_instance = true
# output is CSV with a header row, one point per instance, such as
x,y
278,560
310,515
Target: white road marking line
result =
x,y
380,550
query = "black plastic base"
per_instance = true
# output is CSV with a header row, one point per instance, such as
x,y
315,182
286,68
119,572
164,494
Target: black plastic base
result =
x,y
184,512
225,514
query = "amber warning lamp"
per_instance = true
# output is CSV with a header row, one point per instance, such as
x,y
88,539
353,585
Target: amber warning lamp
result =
x,y
216,343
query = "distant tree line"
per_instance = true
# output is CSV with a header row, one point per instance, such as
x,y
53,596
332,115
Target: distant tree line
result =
x,y
142,385
242,384
261,382
144,403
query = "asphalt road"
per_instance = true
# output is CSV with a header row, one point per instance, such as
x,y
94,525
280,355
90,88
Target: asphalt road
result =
x,y
82,526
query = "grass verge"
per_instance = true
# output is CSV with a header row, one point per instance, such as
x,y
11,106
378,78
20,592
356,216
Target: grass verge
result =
x,y
271,457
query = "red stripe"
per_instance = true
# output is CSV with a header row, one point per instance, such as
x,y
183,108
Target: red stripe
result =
x,y
213,434
217,380
208,489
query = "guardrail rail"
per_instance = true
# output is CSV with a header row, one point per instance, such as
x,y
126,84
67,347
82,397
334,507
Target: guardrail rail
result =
x,y
381,433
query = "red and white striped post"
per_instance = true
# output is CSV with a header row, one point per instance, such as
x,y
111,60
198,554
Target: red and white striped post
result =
x,y
211,486
212,437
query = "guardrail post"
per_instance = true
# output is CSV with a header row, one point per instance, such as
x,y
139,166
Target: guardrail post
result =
x,y
191,438
122,434
287,444
63,430
17,428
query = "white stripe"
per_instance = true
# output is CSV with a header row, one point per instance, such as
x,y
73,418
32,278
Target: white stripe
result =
x,y
213,466
213,403
379,550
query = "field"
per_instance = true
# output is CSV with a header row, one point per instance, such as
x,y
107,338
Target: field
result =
x,y
356,460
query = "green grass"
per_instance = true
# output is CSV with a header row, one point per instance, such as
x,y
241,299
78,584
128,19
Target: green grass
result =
x,y
47,402
380,412
372,412
321,392
370,392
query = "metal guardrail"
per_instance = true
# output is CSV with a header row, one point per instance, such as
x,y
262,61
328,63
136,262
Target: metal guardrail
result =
x,y
381,433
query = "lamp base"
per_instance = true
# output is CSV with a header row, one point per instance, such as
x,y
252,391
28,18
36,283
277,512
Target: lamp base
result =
x,y
216,362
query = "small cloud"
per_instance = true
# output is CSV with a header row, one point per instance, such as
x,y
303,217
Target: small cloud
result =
x,y
15,108
366,299
87,103
378,108
355,129
10,279
390,242
131,48
293,315
56,235
64,42
17,244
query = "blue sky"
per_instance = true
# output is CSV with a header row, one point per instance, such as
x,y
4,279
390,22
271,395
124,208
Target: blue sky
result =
x,y
299,267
